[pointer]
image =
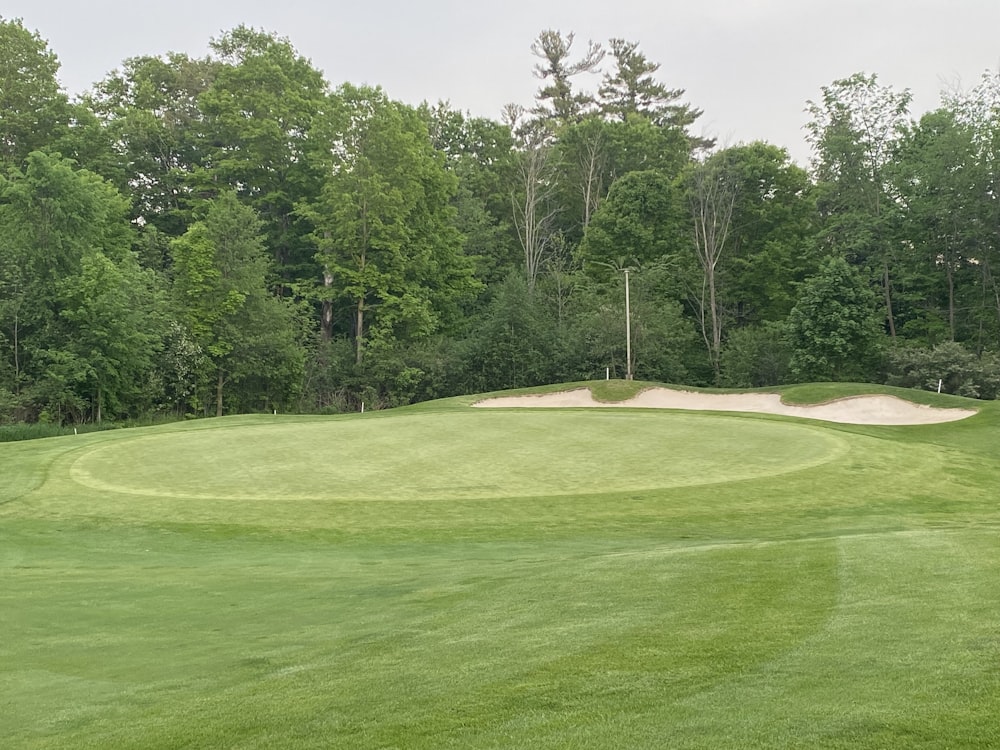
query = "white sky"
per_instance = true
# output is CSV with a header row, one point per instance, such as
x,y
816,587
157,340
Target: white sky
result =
x,y
751,65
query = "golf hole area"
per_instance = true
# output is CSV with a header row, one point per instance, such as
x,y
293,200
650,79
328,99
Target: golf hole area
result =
x,y
439,456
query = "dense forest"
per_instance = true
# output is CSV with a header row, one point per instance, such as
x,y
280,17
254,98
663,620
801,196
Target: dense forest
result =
x,y
197,236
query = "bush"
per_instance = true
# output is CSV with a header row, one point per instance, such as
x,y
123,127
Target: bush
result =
x,y
960,371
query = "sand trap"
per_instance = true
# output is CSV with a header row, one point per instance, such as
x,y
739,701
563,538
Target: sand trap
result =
x,y
880,410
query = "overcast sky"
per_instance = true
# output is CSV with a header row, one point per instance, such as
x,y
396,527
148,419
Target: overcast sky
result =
x,y
751,65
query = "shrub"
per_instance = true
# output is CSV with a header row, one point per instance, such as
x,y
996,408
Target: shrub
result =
x,y
960,371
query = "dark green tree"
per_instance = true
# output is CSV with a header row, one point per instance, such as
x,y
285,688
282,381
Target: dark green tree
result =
x,y
480,153
854,131
72,293
259,114
638,223
944,187
150,111
220,285
385,225
589,156
755,356
631,90
774,225
664,343
513,343
114,320
978,111
834,330
558,103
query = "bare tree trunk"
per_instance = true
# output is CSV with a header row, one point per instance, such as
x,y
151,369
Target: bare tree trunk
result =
x,y
951,299
592,187
628,331
712,200
990,285
887,292
531,205
559,269
220,381
17,350
359,318
359,335
326,315
533,213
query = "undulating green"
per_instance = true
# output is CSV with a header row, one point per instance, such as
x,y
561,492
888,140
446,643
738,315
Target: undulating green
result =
x,y
439,576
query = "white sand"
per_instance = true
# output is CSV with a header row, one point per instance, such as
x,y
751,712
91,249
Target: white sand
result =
x,y
880,410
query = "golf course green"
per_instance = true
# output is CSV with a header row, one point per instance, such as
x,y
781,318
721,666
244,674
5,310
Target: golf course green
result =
x,y
439,576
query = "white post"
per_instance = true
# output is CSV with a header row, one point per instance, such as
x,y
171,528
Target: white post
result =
x,y
362,407
628,332
939,385
607,373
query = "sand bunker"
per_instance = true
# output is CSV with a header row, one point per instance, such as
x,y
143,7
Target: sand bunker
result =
x,y
880,410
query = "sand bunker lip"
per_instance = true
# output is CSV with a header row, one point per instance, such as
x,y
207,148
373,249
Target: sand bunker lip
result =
x,y
875,410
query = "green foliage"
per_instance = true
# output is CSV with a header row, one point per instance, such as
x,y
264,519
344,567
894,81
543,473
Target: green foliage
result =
x,y
755,356
833,330
958,370
34,112
558,103
632,93
774,226
855,131
664,342
260,113
479,152
150,110
116,315
635,225
385,226
394,230
220,288
513,343
939,176
81,321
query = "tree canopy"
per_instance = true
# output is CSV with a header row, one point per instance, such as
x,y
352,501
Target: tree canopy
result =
x,y
236,232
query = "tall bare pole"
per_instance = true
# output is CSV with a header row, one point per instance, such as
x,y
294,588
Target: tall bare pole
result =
x,y
628,332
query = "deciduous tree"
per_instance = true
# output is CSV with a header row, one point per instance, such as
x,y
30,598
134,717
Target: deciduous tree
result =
x,y
385,227
259,114
220,285
854,131
712,189
834,331
34,111
150,109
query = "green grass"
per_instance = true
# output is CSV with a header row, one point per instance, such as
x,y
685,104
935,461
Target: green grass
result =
x,y
443,577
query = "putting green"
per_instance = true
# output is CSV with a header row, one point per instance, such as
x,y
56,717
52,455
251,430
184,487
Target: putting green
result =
x,y
446,456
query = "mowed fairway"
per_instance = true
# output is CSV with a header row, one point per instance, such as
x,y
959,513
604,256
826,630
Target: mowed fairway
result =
x,y
443,577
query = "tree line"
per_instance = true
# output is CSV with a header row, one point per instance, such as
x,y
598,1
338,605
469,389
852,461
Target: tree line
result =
x,y
233,233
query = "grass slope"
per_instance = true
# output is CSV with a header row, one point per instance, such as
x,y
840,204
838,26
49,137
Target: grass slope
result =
x,y
440,577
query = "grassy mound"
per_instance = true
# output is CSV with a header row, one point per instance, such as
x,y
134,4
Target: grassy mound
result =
x,y
438,577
